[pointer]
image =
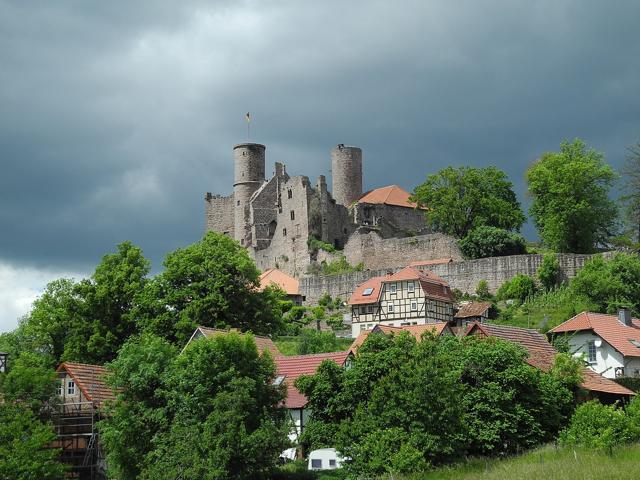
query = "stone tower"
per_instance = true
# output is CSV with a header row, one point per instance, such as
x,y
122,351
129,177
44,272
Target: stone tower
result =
x,y
249,175
346,174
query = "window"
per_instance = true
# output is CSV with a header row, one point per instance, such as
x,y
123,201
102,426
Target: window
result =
x,y
284,232
393,288
71,388
293,215
363,310
332,463
411,287
390,308
316,463
414,306
60,387
289,194
367,292
370,309
591,351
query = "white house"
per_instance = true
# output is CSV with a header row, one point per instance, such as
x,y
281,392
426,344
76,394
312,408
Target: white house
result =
x,y
610,343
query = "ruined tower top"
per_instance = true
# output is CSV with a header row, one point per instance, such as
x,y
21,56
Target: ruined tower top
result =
x,y
346,174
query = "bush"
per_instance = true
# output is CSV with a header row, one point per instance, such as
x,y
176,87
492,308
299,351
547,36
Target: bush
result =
x,y
316,244
487,241
549,271
482,290
597,426
610,283
519,288
632,383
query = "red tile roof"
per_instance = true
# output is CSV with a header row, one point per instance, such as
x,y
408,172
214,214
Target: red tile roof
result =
x,y
358,297
90,379
608,327
390,195
294,366
273,276
432,285
541,354
262,343
473,309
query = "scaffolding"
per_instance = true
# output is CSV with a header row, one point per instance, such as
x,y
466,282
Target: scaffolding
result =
x,y
77,437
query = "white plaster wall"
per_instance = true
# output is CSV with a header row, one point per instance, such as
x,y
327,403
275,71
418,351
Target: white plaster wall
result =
x,y
607,358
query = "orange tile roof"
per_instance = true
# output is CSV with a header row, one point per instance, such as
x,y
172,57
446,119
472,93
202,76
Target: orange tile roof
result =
x,y
390,195
358,297
437,328
262,343
473,309
608,327
295,366
437,261
273,276
90,379
432,284
541,354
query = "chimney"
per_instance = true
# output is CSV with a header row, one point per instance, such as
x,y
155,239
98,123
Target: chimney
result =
x,y
624,315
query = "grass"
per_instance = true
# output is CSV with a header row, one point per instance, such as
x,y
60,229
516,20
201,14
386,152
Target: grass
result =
x,y
545,310
546,463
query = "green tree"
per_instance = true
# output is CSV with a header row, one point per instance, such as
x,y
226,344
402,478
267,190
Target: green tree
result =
x,y
314,341
549,271
31,382
598,426
631,185
518,288
25,452
461,199
486,241
482,290
610,283
571,207
88,321
213,283
210,412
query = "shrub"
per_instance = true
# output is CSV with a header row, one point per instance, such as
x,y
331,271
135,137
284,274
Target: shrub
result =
x,y
597,426
316,244
519,288
482,290
549,271
487,241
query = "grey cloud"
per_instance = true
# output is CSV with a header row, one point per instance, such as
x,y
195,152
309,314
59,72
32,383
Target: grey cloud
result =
x,y
117,117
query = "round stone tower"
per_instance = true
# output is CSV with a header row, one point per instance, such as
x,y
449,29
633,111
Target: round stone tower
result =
x,y
249,164
346,174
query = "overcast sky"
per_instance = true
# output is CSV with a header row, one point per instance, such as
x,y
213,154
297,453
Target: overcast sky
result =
x,y
117,117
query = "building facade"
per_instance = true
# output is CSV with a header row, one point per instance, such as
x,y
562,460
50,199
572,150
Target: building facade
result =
x,y
408,297
278,219
610,344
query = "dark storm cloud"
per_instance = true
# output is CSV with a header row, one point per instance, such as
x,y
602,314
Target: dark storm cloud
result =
x,y
117,117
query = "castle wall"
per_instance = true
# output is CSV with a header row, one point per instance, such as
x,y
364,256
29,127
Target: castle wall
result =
x,y
288,249
379,253
391,220
263,215
346,174
219,214
463,275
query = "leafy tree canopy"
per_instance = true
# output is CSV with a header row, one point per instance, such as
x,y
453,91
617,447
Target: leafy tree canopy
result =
x,y
403,405
521,287
25,453
31,382
488,241
213,283
631,185
571,206
549,271
610,283
461,199
210,412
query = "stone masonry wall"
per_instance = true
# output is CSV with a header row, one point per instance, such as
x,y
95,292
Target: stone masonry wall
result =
x,y
378,253
463,275
219,214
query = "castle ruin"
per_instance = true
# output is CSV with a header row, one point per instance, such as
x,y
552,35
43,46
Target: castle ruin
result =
x,y
278,219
